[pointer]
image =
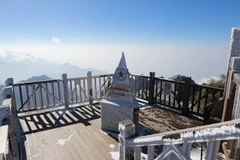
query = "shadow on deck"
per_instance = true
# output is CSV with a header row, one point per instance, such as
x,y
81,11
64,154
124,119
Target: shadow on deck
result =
x,y
65,134
58,118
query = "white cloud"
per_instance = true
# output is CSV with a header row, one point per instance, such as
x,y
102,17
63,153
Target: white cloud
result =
x,y
165,60
205,80
9,55
55,40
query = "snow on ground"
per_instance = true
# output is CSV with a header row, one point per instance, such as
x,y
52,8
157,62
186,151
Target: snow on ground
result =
x,y
115,156
61,142
112,146
109,133
196,154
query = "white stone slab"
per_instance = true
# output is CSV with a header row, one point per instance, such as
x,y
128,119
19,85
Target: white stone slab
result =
x,y
113,113
120,104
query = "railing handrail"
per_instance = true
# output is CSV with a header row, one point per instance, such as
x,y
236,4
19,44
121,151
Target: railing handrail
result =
x,y
57,80
155,138
168,80
37,82
140,75
76,78
209,87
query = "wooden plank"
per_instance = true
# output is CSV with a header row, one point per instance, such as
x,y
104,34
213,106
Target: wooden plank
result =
x,y
52,148
58,137
95,126
99,143
66,134
85,142
87,138
83,146
76,144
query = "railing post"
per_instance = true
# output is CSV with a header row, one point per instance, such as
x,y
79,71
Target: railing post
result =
x,y
187,149
212,150
186,96
65,89
150,152
127,130
89,83
151,88
7,91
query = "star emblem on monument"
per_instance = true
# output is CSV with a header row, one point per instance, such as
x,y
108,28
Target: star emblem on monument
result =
x,y
120,74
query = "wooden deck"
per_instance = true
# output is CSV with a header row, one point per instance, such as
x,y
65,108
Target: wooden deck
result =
x,y
72,134
75,133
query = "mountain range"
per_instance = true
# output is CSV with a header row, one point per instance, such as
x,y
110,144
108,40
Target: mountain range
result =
x,y
22,70
39,70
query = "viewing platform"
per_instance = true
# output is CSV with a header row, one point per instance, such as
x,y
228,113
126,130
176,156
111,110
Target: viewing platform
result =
x,y
60,118
62,121
75,133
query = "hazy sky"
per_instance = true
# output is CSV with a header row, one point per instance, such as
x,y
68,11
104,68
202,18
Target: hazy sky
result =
x,y
189,37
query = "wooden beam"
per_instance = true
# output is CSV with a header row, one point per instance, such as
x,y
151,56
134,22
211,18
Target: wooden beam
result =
x,y
225,151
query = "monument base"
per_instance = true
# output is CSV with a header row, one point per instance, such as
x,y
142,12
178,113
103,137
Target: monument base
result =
x,y
112,113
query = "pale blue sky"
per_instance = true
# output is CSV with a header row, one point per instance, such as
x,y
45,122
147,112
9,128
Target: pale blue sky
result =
x,y
118,22
173,31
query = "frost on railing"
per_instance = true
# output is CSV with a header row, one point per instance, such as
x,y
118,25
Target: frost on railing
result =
x,y
181,148
228,132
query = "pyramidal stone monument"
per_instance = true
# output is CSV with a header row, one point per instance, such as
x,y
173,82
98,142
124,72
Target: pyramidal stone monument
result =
x,y
119,103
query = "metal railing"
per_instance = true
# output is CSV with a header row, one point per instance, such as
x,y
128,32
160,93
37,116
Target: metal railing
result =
x,y
52,93
189,99
38,95
179,148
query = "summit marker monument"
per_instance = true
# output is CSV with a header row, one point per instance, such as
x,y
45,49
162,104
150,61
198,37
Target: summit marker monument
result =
x,y
119,104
